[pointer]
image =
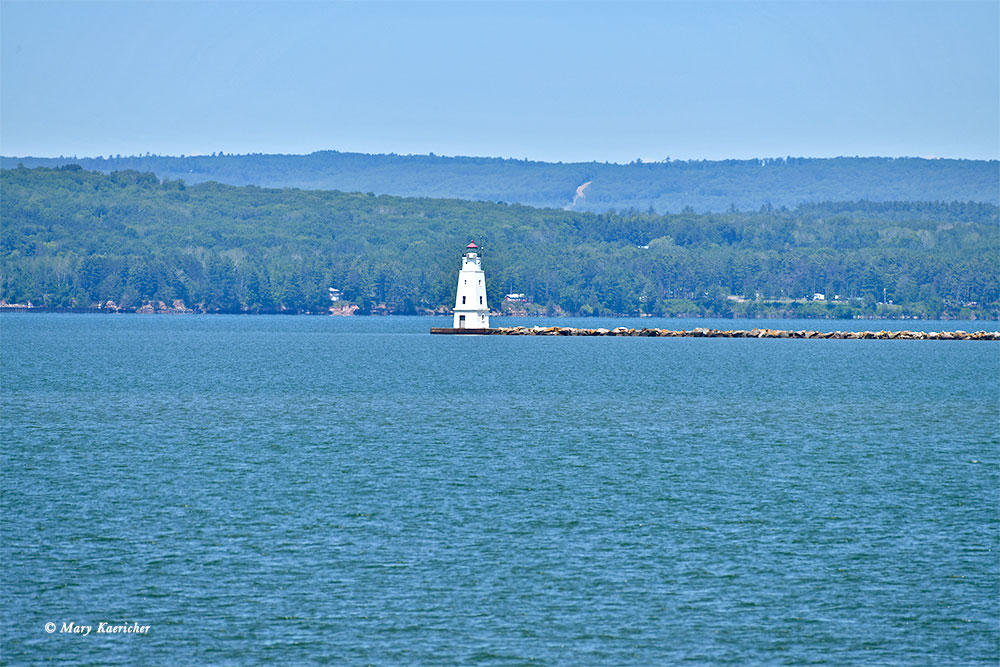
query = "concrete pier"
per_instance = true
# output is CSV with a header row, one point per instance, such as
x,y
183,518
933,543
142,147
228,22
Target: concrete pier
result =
x,y
463,332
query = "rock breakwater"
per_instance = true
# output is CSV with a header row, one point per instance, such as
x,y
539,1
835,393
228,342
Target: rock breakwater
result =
x,y
700,332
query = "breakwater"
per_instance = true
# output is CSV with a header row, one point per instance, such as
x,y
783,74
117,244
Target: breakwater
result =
x,y
699,332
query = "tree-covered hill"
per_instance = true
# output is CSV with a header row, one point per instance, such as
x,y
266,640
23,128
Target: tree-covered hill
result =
x,y
75,238
669,186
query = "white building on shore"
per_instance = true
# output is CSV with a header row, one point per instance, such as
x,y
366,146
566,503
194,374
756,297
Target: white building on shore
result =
x,y
471,310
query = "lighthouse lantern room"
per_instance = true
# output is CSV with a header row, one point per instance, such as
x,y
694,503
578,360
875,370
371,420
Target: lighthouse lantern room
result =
x,y
471,310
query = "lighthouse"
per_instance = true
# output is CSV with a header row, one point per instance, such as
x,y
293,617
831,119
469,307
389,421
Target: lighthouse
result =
x,y
471,311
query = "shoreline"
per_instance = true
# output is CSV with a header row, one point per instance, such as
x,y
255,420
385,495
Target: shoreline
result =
x,y
140,311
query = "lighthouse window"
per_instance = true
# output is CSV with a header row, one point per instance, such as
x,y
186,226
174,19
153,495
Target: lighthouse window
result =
x,y
480,301
463,300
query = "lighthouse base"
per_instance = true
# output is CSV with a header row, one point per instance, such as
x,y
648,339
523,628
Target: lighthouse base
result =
x,y
467,332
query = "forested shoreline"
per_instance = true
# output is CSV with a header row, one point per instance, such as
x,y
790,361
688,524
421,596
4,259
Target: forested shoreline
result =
x,y
76,239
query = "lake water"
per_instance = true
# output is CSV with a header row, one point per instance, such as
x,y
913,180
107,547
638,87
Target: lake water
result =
x,y
296,490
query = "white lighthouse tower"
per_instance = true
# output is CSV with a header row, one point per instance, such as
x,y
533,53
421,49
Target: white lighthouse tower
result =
x,y
471,311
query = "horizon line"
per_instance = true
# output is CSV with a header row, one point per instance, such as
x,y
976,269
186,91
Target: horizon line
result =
x,y
639,160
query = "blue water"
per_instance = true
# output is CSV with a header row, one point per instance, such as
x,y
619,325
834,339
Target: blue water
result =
x,y
293,490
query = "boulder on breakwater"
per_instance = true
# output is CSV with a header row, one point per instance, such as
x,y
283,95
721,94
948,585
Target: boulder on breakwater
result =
x,y
701,332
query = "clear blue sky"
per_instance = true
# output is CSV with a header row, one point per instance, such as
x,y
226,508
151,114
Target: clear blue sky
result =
x,y
549,81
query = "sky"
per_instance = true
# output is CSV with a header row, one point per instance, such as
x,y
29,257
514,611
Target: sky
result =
x,y
560,81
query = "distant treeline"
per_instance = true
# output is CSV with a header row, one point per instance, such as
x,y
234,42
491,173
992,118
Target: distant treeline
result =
x,y
669,186
75,238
